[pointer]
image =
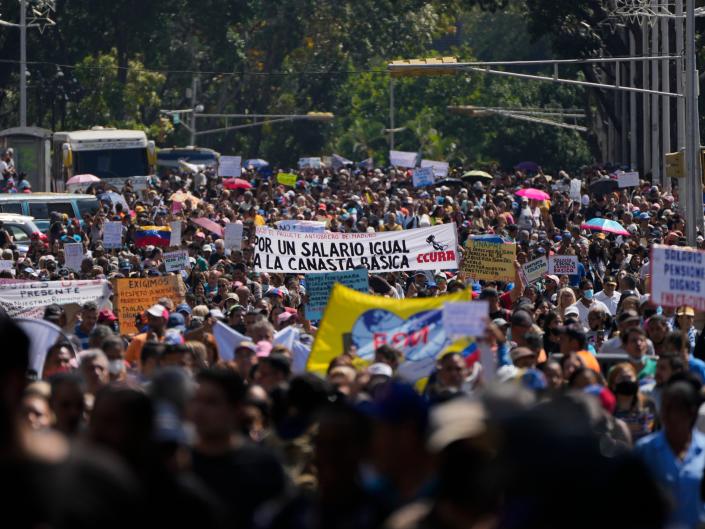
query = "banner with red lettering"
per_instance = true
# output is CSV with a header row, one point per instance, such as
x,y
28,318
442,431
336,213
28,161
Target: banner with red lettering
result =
x,y
358,324
434,248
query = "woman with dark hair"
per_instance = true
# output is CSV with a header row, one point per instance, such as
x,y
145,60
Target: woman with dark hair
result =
x,y
551,339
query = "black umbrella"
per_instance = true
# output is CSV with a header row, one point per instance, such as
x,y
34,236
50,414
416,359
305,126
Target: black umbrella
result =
x,y
603,186
449,182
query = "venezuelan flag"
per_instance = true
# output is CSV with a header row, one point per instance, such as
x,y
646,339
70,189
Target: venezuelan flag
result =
x,y
154,235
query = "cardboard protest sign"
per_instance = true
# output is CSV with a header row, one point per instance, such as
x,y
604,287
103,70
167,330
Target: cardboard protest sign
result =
x,y
112,235
466,318
563,265
175,238
440,169
135,295
630,179
233,236
575,185
423,177
402,159
310,163
73,256
21,298
176,261
536,269
491,261
433,248
230,166
287,179
677,276
319,287
303,226
365,322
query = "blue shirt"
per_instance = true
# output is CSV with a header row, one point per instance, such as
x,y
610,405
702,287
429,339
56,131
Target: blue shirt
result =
x,y
574,280
697,367
82,336
681,479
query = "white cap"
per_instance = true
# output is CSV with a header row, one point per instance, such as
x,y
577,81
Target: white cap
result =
x,y
156,310
380,369
571,310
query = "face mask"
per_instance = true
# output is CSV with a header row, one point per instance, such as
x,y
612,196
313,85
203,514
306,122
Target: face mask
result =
x,y
626,387
587,294
115,367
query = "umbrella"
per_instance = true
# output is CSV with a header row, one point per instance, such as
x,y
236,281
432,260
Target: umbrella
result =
x,y
257,163
603,186
82,179
449,182
236,183
474,176
531,167
605,225
180,196
533,194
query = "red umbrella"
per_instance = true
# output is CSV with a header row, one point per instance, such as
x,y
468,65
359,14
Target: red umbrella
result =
x,y
236,183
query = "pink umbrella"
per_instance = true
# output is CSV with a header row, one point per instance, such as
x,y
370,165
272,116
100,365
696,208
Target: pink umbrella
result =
x,y
533,194
82,179
236,183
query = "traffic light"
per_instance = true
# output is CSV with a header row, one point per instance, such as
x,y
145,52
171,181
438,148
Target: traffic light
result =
x,y
421,67
675,164
320,116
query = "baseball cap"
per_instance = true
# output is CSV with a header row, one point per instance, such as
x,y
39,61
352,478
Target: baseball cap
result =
x,y
176,321
685,310
454,420
380,369
184,308
173,337
571,310
158,311
521,352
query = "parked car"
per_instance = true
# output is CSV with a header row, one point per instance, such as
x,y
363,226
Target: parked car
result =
x,y
40,206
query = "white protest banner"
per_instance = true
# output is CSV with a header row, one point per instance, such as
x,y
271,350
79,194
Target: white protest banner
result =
x,y
630,179
423,177
233,236
20,298
466,318
535,269
402,159
73,256
575,185
112,235
677,276
175,238
563,265
433,248
319,287
302,226
230,166
440,169
310,163
176,261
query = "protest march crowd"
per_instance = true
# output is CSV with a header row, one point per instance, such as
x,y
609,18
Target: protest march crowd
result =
x,y
344,349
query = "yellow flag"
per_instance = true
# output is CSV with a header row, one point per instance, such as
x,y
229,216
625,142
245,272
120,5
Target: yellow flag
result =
x,y
360,323
287,179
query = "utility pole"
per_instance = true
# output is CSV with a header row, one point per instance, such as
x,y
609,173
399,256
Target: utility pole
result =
x,y
645,108
192,126
694,188
656,158
391,113
633,132
23,63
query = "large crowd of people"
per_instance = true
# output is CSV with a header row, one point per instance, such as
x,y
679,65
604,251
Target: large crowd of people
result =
x,y
594,393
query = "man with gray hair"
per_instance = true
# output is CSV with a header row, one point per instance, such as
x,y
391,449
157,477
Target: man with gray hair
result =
x,y
94,370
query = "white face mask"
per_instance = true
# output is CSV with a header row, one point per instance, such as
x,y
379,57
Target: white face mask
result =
x,y
115,367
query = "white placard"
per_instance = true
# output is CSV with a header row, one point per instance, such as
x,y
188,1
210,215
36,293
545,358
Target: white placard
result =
x,y
535,269
575,185
440,169
230,166
402,159
630,179
677,276
175,239
563,265
466,318
434,248
233,236
73,256
423,177
112,235
6,264
176,261
310,163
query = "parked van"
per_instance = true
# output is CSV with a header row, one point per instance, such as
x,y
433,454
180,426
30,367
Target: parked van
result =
x,y
42,205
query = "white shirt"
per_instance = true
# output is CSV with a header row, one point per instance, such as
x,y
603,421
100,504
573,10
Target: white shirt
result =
x,y
609,301
583,310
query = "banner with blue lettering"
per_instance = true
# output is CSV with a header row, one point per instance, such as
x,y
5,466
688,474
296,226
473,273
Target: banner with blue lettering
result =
x,y
359,323
434,248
